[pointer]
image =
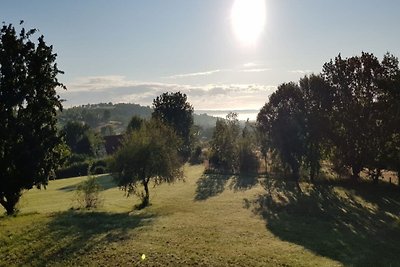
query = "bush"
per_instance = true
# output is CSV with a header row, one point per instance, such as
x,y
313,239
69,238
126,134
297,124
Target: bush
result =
x,y
99,170
248,160
88,193
76,158
73,170
196,157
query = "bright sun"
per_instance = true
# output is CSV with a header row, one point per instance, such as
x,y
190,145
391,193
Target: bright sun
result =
x,y
248,20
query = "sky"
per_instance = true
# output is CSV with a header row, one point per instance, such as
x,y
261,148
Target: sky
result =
x,y
132,51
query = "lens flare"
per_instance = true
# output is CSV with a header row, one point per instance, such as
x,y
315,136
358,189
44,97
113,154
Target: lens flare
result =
x,y
248,20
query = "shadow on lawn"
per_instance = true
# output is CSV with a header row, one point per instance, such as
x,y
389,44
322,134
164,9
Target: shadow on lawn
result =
x,y
75,233
243,181
335,223
106,182
210,185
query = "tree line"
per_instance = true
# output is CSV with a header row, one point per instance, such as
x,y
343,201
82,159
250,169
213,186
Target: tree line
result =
x,y
348,114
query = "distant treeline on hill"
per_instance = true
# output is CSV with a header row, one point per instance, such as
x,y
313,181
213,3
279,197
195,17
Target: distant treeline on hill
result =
x,y
117,116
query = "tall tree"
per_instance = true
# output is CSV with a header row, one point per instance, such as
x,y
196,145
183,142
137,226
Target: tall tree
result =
x,y
29,143
317,99
282,119
390,103
176,111
148,154
357,110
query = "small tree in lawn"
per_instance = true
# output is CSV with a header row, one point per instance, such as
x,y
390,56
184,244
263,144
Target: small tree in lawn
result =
x,y
30,147
148,154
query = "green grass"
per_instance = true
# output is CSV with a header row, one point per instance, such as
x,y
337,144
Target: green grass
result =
x,y
208,220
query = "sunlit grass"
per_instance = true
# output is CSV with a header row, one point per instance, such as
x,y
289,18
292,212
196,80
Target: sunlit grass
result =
x,y
206,221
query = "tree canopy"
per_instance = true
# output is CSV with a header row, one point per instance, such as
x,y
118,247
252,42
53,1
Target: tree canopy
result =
x,y
29,143
81,138
148,154
176,111
348,114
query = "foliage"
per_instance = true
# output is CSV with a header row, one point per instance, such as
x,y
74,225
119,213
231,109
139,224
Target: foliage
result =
x,y
248,160
232,148
88,193
224,144
134,124
349,114
82,139
114,118
72,170
80,168
30,147
148,154
358,112
282,119
101,114
317,99
176,111
197,155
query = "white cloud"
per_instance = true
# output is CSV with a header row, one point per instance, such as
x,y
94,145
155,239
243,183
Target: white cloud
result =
x,y
301,71
193,74
119,89
256,70
250,65
96,83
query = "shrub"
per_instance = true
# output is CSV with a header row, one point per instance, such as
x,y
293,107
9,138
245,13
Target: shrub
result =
x,y
73,170
88,193
99,170
196,157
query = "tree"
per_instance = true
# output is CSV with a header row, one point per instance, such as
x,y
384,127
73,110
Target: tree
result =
x,y
173,109
248,160
317,99
390,103
148,154
134,124
224,144
82,139
282,119
359,108
30,148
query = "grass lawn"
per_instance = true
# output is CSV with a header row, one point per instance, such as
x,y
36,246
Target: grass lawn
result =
x,y
208,220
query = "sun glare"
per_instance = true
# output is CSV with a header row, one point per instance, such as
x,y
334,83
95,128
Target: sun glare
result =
x,y
248,20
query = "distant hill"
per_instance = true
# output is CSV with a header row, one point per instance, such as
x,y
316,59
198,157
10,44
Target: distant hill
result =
x,y
117,116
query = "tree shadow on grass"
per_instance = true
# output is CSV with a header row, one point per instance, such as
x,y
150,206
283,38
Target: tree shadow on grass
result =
x,y
106,182
210,185
355,225
243,182
72,233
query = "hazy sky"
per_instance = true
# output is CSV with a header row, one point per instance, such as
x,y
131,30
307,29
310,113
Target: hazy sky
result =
x,y
132,51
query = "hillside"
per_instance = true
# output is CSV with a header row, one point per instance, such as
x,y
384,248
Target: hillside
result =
x,y
207,220
118,115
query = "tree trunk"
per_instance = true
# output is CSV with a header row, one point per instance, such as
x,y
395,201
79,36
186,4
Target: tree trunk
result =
x,y
9,201
398,177
355,173
146,197
312,173
376,174
296,175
